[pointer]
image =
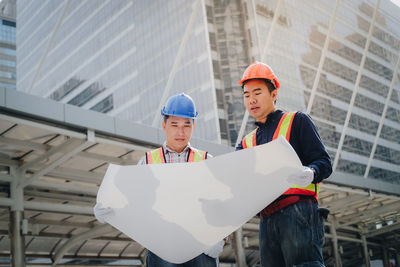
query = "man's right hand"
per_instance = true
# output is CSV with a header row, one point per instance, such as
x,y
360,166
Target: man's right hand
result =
x,y
102,213
215,250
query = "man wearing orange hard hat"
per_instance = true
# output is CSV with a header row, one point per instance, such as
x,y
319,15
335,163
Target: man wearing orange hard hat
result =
x,y
291,227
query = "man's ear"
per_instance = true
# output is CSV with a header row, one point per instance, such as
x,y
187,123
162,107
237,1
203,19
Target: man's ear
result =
x,y
274,94
163,126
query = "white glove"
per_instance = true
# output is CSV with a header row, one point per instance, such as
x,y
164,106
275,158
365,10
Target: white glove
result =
x,y
302,178
215,250
102,213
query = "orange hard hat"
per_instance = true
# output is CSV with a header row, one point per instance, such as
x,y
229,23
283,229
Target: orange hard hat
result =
x,y
259,70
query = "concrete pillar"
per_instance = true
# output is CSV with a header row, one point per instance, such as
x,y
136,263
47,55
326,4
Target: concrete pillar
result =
x,y
17,240
385,258
338,260
365,251
397,259
240,256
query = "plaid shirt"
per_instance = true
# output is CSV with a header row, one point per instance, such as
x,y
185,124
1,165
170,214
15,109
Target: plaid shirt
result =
x,y
172,156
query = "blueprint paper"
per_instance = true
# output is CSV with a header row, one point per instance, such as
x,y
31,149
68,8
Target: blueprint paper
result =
x,y
178,210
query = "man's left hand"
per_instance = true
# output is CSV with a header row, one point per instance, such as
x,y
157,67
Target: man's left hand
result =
x,y
302,178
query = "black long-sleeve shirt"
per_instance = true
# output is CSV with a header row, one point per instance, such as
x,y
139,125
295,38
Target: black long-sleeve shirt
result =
x,y
304,138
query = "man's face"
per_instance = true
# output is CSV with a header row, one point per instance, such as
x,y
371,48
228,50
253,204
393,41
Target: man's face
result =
x,y
258,100
178,131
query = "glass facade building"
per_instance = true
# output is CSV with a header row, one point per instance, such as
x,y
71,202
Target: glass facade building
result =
x,y
339,62
116,57
8,44
336,60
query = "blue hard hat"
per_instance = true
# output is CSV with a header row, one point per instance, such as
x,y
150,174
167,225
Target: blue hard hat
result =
x,y
180,105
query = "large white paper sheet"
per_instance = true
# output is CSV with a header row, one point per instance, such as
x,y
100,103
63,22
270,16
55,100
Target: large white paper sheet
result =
x,y
179,210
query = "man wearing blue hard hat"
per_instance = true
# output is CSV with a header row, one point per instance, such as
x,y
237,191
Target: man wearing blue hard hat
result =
x,y
179,114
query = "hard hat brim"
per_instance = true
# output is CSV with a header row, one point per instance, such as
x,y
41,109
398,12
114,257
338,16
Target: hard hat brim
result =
x,y
164,113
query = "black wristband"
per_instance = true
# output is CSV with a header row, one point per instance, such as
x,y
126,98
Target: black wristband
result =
x,y
315,180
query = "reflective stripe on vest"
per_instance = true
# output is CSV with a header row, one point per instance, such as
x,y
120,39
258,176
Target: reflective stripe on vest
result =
x,y
284,128
196,155
156,156
250,139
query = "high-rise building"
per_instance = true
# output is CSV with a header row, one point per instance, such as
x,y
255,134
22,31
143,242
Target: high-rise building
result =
x,y
339,61
336,60
7,44
123,58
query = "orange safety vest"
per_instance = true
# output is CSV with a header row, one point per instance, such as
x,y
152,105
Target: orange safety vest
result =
x,y
284,128
157,156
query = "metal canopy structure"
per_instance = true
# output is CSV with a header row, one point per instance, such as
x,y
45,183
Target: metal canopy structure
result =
x,y
52,160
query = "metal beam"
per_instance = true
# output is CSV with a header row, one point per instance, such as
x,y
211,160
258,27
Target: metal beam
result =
x,y
54,150
6,202
16,192
44,235
359,216
63,223
9,162
322,58
98,230
123,250
363,192
355,91
351,239
58,208
74,257
385,259
23,144
51,207
277,12
76,149
254,242
385,229
49,45
105,158
171,77
66,187
130,146
348,228
365,251
242,128
251,227
43,126
17,241
383,116
5,178
76,175
256,26
239,250
338,261
343,203
58,196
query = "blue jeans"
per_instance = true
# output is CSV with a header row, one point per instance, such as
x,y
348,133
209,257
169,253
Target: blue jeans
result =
x,y
152,260
292,236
